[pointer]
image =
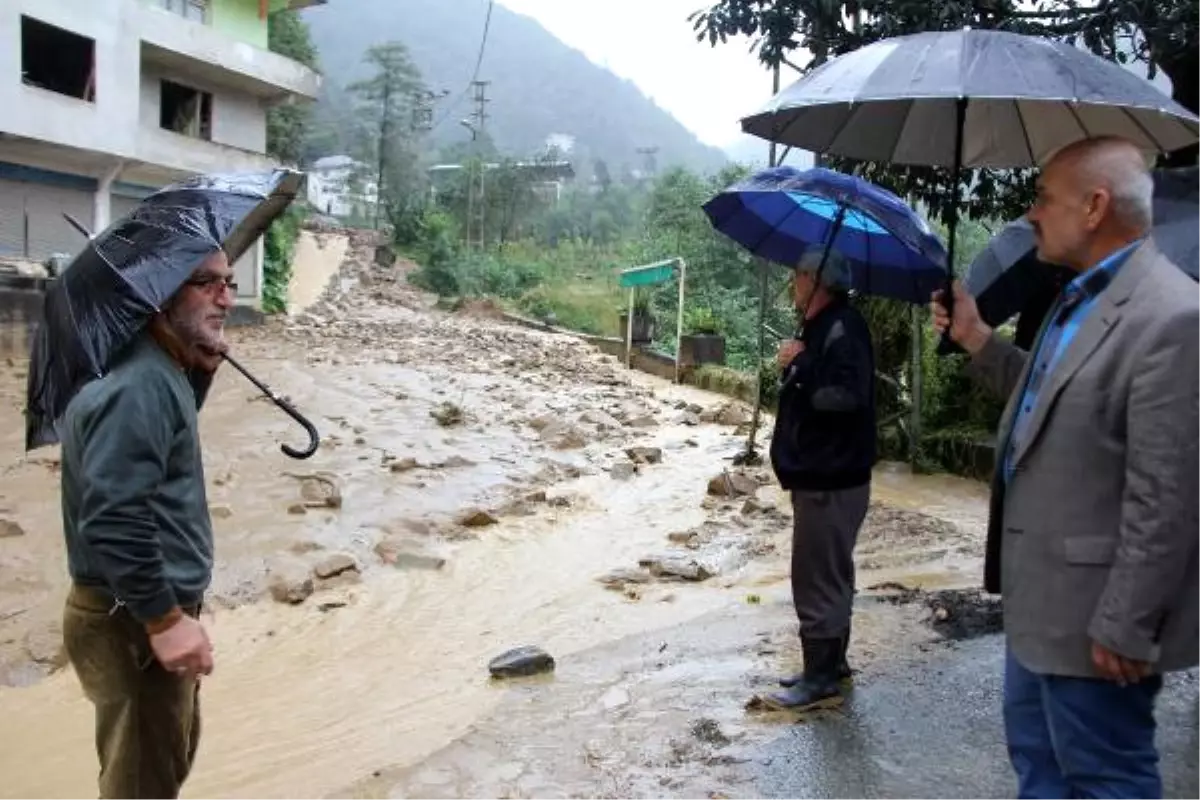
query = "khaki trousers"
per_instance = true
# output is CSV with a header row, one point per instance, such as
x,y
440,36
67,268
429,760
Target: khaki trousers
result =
x,y
147,719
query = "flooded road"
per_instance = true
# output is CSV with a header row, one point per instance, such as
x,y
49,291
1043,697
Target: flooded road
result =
x,y
376,683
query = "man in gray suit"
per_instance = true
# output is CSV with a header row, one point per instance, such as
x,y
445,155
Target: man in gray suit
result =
x,y
1092,536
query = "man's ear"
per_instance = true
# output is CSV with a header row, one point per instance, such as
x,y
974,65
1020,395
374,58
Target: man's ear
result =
x,y
1098,206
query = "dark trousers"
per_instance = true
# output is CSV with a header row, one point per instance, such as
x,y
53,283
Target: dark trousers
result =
x,y
1080,737
824,531
147,719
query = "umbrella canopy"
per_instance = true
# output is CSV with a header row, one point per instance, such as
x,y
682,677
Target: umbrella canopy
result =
x,y
124,276
1023,98
782,213
1007,275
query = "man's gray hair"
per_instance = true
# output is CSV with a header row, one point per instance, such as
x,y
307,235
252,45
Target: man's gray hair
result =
x,y
835,274
1119,166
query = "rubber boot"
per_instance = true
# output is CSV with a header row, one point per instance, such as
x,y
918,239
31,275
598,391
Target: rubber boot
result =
x,y
844,673
818,686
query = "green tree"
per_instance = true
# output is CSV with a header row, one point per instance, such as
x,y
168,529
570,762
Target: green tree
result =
x,y
288,122
384,103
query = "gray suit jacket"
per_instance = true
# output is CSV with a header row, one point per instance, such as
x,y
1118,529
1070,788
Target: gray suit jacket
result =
x,y
1095,537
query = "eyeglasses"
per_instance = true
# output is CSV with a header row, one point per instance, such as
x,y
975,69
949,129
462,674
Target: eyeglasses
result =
x,y
213,283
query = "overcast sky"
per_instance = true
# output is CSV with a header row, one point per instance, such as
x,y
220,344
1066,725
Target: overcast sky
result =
x,y
651,43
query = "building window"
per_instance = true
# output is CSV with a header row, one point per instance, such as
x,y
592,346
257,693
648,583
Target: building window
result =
x,y
57,60
185,110
195,10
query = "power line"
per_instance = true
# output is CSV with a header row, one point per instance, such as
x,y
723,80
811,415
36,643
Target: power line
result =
x,y
487,25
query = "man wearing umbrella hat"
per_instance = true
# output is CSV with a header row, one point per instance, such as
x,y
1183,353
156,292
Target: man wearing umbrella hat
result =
x,y
1092,530
140,542
822,450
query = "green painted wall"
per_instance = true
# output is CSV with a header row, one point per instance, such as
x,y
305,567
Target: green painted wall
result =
x,y
239,19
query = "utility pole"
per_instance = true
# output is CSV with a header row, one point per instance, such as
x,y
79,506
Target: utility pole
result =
x,y
422,109
649,162
476,193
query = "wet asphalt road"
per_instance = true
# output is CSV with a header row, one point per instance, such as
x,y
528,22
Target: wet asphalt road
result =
x,y
935,730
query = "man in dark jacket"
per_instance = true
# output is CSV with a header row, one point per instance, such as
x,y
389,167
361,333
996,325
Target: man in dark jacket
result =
x,y
139,541
822,450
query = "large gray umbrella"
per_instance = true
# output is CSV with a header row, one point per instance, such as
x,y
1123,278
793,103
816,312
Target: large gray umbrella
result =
x,y
1020,99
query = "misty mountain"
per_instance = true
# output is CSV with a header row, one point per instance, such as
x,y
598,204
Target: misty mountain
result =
x,y
539,86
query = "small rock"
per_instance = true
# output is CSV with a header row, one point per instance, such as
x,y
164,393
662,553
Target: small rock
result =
x,y
447,414
290,584
297,508
732,484
695,408
220,512
623,470
455,462
321,490
645,455
405,554
753,506
330,605
642,421
476,518
563,436
300,548
8,529
683,537
334,565
543,422
618,579
522,661
560,501
599,419
689,419
536,497
687,569
404,465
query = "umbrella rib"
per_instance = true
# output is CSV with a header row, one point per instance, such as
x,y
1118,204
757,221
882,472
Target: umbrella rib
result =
x,y
1078,120
1025,132
1143,129
854,107
908,110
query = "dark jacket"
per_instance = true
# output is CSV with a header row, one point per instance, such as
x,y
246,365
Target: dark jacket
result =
x,y
134,508
825,429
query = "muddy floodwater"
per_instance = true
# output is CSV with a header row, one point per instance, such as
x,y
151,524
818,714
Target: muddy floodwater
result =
x,y
473,493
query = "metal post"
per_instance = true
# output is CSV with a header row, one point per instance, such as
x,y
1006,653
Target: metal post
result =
x,y
679,321
914,423
629,331
750,457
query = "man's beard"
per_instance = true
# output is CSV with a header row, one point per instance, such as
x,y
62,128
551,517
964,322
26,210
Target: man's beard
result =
x,y
193,332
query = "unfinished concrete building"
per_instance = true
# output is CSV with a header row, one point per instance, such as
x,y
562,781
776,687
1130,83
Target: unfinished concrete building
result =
x,y
104,101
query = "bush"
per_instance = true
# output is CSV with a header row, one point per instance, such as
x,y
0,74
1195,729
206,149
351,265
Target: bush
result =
x,y
279,246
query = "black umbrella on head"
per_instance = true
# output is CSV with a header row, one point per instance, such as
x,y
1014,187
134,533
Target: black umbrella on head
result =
x,y
123,277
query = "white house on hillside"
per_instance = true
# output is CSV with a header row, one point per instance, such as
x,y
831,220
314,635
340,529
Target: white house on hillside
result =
x,y
337,186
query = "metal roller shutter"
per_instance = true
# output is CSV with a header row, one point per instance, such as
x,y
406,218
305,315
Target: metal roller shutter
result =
x,y
12,218
49,231
32,223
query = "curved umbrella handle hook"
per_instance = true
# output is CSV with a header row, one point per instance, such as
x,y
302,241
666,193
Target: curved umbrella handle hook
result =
x,y
314,438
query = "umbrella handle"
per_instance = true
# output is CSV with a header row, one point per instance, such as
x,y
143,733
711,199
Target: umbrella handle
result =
x,y
314,438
